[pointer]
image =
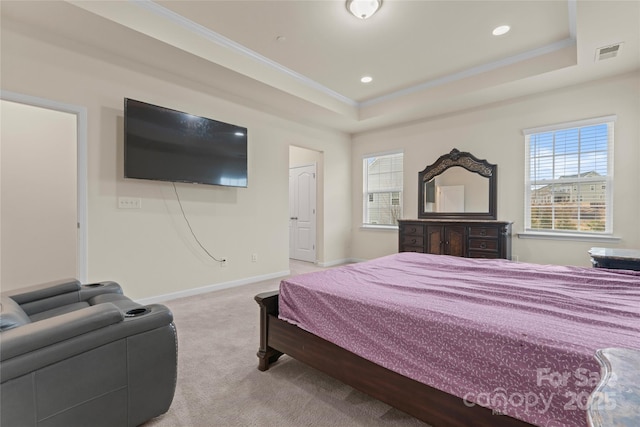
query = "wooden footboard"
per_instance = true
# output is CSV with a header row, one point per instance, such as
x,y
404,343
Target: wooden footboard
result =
x,y
268,302
433,406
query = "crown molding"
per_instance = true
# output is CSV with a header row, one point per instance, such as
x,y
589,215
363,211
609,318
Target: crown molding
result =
x,y
472,71
238,49
233,46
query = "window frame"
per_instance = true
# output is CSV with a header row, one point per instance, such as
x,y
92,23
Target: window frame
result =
x,y
608,181
366,193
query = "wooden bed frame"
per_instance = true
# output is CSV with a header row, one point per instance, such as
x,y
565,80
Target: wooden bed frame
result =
x,y
428,404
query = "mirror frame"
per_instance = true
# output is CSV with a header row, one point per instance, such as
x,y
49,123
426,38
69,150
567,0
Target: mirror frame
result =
x,y
470,163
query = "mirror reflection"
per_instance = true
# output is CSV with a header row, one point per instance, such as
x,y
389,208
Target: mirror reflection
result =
x,y
458,185
456,190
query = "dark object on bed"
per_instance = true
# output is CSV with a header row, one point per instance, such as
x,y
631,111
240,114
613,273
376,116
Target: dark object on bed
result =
x,y
426,403
616,399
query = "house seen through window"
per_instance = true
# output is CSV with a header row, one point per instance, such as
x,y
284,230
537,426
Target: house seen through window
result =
x,y
382,177
568,176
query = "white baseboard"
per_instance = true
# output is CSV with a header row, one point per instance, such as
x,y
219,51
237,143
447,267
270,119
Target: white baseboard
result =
x,y
338,262
209,288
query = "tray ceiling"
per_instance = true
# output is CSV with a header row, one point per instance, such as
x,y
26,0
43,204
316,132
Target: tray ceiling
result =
x,y
305,58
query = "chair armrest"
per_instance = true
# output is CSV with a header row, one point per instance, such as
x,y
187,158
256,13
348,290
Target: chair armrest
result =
x,y
90,290
43,290
18,359
36,335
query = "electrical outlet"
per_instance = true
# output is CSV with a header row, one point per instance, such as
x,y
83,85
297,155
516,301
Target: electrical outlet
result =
x,y
223,262
129,203
254,257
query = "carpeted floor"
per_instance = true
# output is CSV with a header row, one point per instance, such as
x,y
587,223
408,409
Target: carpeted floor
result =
x,y
219,383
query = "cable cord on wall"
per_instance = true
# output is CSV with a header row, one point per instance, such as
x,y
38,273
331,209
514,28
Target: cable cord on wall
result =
x,y
189,225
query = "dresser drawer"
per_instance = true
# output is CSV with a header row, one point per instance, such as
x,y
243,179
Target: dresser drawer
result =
x,y
419,249
412,230
483,244
412,240
483,254
483,232
456,237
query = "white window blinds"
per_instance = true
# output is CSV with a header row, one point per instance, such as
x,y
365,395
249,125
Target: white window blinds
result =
x,y
382,179
569,177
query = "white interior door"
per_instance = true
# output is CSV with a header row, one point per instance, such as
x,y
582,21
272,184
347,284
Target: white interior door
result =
x,y
39,209
302,213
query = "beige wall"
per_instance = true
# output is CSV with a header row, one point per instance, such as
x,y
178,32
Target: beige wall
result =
x,y
39,207
299,156
495,133
150,251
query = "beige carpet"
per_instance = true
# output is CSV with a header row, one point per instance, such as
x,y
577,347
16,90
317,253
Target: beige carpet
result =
x,y
219,383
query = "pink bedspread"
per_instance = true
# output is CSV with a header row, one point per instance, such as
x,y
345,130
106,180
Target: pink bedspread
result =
x,y
518,338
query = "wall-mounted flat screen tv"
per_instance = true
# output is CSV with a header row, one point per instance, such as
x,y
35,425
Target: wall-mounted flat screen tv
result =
x,y
168,145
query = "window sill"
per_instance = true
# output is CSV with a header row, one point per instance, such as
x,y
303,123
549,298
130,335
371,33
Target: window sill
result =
x,y
378,227
568,236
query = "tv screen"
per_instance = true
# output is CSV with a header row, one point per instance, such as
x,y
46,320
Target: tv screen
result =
x,y
168,145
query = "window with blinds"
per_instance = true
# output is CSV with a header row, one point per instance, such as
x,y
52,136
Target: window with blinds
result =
x,y
569,177
382,179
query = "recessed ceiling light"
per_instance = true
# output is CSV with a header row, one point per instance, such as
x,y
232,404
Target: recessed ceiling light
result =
x,y
502,29
366,79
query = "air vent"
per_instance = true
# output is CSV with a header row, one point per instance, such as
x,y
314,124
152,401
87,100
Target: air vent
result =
x,y
607,52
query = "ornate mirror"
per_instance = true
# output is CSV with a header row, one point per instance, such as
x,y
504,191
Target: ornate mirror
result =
x,y
458,186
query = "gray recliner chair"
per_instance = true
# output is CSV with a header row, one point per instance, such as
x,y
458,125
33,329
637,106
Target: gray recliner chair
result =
x,y
80,355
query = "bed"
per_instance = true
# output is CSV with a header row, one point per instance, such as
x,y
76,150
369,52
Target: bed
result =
x,y
457,341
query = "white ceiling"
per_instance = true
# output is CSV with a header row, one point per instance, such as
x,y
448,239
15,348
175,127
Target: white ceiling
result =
x,y
303,59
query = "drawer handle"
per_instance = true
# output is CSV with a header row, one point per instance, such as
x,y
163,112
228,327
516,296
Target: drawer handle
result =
x,y
413,230
413,240
483,245
483,232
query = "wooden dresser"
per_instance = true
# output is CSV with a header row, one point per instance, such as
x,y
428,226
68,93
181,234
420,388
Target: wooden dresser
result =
x,y
463,238
628,259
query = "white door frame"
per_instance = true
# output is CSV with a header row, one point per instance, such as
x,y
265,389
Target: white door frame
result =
x,y
81,120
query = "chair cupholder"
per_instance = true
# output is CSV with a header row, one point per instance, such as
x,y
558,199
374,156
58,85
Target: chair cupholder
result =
x,y
136,312
93,285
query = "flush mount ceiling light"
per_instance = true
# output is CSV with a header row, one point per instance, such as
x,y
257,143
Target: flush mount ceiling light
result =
x,y
366,79
363,9
502,29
